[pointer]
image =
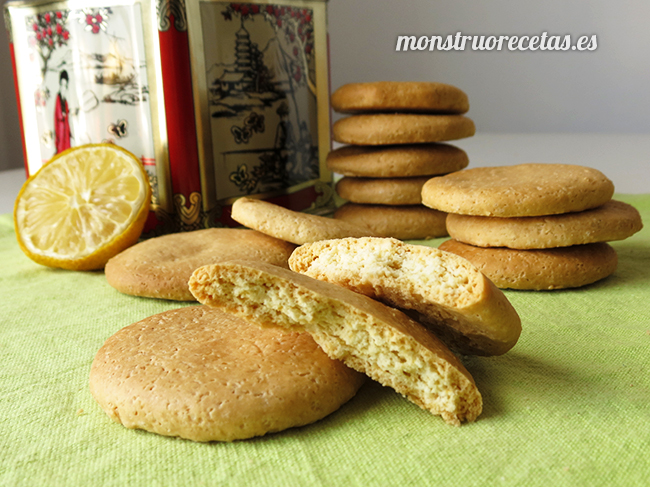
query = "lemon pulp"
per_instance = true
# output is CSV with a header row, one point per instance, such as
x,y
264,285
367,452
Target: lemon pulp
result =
x,y
83,202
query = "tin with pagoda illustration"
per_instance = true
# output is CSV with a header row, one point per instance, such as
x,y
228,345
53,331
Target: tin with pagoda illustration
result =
x,y
218,99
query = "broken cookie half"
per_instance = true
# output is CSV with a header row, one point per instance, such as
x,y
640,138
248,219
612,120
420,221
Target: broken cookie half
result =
x,y
364,334
443,291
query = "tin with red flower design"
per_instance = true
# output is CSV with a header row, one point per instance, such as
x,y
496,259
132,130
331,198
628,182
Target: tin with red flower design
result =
x,y
218,99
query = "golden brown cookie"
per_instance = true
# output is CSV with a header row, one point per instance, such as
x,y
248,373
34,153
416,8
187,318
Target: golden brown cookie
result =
x,y
366,335
382,191
205,375
290,225
543,269
444,292
397,161
521,190
399,96
400,128
160,267
415,222
614,220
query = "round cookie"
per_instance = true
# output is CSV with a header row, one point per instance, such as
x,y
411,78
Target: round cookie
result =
x,y
160,267
366,335
397,161
292,226
543,269
382,191
521,190
400,128
614,220
441,290
206,375
415,222
399,96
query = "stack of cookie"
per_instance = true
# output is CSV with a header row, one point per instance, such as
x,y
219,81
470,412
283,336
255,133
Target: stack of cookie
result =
x,y
394,134
533,226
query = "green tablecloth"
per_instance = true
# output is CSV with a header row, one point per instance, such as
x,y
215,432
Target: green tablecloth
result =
x,y
569,405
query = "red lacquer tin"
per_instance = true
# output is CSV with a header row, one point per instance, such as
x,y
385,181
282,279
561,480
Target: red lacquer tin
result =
x,y
218,99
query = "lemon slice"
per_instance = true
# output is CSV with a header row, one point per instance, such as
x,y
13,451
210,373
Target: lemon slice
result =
x,y
84,206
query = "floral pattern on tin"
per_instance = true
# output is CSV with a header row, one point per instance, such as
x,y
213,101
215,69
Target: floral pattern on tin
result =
x,y
92,83
49,31
94,19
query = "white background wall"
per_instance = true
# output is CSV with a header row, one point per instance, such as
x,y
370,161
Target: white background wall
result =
x,y
607,90
604,91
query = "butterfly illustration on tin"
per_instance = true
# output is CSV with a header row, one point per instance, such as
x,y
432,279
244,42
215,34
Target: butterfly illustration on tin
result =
x,y
47,138
253,123
119,129
242,135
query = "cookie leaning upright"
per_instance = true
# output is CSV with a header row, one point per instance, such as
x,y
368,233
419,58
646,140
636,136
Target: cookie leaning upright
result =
x,y
292,226
395,134
364,334
447,294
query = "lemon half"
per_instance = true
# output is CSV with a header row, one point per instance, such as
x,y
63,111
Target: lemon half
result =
x,y
82,207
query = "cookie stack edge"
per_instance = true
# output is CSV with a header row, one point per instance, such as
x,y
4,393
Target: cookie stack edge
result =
x,y
534,226
395,142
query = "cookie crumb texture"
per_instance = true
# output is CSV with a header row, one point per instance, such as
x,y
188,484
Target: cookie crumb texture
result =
x,y
366,335
446,293
205,375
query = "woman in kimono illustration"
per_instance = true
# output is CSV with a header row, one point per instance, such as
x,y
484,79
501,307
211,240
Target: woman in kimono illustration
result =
x,y
61,115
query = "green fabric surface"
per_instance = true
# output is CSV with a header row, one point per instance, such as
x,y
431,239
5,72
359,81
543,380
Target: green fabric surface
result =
x,y
569,405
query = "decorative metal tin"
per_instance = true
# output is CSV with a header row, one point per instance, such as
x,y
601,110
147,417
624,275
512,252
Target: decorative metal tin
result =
x,y
219,99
